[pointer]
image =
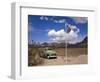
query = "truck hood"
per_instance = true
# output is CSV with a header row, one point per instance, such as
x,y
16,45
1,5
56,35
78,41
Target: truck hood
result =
x,y
50,52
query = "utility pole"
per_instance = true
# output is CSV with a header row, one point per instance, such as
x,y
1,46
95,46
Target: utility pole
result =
x,y
67,30
66,43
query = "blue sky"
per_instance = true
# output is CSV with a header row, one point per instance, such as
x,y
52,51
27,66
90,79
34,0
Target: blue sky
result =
x,y
38,26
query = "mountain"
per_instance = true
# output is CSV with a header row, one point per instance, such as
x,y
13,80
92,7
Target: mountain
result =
x,y
85,40
82,44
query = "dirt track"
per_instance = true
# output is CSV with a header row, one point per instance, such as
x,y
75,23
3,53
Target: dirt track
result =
x,y
61,60
82,59
58,61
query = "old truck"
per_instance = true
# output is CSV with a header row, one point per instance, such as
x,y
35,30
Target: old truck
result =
x,y
48,53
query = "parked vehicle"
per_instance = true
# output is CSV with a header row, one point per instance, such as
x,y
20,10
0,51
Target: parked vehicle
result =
x,y
48,53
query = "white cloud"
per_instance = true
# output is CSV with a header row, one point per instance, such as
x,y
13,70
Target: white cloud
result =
x,y
74,27
62,36
44,18
59,21
80,19
52,19
57,36
71,36
41,17
76,19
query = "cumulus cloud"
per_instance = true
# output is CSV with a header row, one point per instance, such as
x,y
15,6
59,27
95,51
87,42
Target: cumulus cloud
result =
x,y
80,19
75,28
63,36
57,36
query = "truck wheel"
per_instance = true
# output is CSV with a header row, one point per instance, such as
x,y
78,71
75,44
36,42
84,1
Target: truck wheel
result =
x,y
48,57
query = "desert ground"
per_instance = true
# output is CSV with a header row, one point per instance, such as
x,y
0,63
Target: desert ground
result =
x,y
73,56
77,56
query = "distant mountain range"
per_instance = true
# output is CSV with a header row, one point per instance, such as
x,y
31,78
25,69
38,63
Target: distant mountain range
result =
x,y
82,44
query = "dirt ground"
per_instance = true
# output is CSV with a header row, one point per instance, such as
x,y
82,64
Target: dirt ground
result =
x,y
61,60
58,61
82,59
73,56
77,56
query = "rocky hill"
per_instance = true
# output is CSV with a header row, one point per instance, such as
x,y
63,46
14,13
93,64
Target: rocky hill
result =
x,y
82,44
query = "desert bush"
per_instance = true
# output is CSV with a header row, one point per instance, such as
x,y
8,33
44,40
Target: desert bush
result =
x,y
34,58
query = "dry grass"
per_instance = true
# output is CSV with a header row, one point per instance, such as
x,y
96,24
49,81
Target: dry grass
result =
x,y
76,51
33,57
60,51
